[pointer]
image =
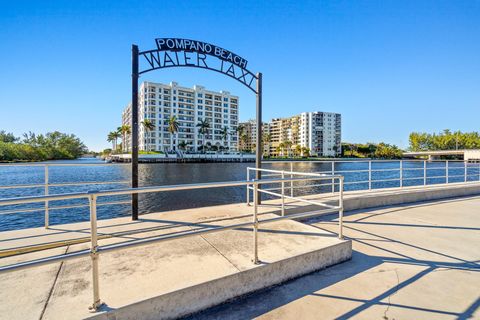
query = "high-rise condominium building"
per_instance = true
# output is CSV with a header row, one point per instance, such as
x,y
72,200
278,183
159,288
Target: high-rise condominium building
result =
x,y
160,102
320,132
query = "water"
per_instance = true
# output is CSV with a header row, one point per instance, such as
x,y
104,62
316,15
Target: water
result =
x,y
157,174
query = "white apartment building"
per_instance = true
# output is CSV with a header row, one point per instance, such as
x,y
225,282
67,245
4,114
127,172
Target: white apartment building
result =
x,y
159,102
320,132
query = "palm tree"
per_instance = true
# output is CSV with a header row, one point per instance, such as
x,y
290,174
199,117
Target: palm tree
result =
x,y
203,126
298,150
182,145
148,125
224,133
278,149
124,130
306,152
267,137
288,145
281,145
243,140
113,138
240,129
173,125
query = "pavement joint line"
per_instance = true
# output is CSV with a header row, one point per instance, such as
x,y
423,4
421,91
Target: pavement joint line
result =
x,y
53,287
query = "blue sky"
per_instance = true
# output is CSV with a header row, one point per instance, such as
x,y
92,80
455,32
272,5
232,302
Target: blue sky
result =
x,y
390,67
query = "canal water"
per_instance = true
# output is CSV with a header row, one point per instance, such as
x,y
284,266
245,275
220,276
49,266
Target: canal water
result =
x,y
158,174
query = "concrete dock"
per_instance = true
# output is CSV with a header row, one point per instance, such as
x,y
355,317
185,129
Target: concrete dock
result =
x,y
163,280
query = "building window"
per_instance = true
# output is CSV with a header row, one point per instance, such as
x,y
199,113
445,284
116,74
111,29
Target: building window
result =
x,y
200,95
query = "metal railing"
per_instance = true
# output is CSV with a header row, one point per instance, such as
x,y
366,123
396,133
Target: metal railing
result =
x,y
95,250
46,185
404,172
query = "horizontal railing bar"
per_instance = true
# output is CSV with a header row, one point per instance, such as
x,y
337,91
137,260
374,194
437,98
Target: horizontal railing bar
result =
x,y
359,161
42,185
45,261
21,210
63,164
33,199
21,186
63,207
87,183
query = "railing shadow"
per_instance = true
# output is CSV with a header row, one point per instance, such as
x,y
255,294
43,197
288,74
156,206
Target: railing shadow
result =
x,y
259,303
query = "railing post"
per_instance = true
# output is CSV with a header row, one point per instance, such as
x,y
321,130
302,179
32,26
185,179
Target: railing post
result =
x,y
47,219
94,253
255,222
424,172
369,174
283,194
465,165
291,177
401,173
248,190
333,180
446,171
340,211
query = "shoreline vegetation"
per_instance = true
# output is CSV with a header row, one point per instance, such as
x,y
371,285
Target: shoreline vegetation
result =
x,y
61,146
42,147
418,141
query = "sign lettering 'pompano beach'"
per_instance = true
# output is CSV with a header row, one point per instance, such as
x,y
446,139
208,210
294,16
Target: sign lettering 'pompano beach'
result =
x,y
174,52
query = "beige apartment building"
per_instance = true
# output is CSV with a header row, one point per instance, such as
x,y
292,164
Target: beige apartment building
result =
x,y
319,132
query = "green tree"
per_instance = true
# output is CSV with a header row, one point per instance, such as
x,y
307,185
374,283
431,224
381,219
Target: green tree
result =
x,y
173,126
148,125
113,138
388,151
182,145
445,140
7,137
288,145
203,127
298,150
124,130
224,133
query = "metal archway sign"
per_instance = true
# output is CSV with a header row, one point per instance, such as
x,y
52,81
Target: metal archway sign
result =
x,y
176,52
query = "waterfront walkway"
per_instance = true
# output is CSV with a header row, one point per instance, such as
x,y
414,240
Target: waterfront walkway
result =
x,y
418,261
163,279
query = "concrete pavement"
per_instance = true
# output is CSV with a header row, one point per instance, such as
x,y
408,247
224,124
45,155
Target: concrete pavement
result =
x,y
417,261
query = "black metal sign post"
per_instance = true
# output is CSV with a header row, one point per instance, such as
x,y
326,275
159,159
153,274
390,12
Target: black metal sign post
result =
x,y
134,130
176,52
